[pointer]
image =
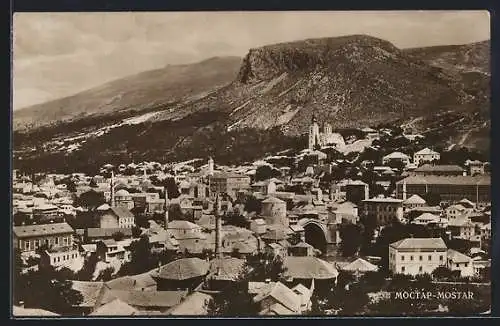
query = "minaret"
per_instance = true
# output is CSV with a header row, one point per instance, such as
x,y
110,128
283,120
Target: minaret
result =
x,y
404,189
218,226
112,189
210,166
166,208
313,133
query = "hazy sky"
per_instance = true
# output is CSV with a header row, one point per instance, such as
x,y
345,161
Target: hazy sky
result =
x,y
59,54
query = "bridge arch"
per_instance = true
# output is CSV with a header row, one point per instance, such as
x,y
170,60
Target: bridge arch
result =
x,y
316,234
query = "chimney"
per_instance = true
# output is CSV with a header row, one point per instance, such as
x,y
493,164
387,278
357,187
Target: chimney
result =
x,y
21,304
268,280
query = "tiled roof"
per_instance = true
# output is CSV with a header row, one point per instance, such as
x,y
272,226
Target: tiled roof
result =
x,y
260,287
228,269
179,224
419,243
195,304
426,151
105,232
383,200
122,212
26,312
115,307
25,231
458,257
447,180
309,268
439,168
284,295
183,269
415,199
145,299
273,200
140,281
360,265
89,290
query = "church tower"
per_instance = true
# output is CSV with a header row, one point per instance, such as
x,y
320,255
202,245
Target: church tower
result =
x,y
314,133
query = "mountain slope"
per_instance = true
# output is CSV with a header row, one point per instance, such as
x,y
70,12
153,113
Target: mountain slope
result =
x,y
147,90
350,81
474,57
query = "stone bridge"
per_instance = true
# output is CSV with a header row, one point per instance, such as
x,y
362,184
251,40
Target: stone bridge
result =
x,y
321,235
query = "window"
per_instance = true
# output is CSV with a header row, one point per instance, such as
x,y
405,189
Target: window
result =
x,y
56,240
27,245
420,269
402,257
420,258
458,265
58,259
430,257
440,258
466,264
54,260
402,269
411,258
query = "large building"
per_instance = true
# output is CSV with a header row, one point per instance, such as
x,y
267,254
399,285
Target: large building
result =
x,y
383,210
228,183
274,211
28,238
425,155
451,189
444,170
413,256
325,138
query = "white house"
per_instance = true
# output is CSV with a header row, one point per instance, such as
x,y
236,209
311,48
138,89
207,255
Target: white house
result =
x,y
414,256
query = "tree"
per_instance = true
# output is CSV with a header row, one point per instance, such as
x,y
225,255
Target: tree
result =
x,y
351,239
264,266
118,236
266,172
442,273
90,200
172,189
88,269
106,274
141,259
253,205
432,199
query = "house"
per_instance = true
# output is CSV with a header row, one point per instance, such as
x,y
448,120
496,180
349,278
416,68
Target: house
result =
x,y
486,232
275,249
274,211
414,256
116,217
96,234
115,307
428,218
301,249
307,268
358,267
258,226
280,300
181,274
228,183
195,304
457,211
463,228
475,167
60,256
28,238
108,250
124,199
396,156
356,191
414,201
459,262
90,292
383,209
184,230
450,188
440,170
425,155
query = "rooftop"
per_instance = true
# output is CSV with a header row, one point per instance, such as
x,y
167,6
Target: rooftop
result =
x,y
439,168
25,231
419,243
309,268
183,269
448,180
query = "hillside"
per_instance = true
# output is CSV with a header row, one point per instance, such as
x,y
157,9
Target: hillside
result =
x,y
474,57
350,82
147,90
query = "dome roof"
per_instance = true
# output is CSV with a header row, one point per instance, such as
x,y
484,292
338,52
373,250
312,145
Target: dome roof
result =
x,y
122,193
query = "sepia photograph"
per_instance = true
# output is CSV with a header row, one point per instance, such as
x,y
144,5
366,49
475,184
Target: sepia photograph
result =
x,y
251,164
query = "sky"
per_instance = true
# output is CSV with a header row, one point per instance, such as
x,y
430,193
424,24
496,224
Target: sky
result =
x,y
60,54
